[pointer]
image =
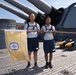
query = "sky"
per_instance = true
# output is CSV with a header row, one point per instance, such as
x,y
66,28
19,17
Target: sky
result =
x,y
4,14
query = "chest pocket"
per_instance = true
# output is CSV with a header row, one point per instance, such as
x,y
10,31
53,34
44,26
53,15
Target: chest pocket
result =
x,y
32,27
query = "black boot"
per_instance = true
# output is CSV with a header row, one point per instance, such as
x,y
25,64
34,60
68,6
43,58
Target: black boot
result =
x,y
50,65
46,65
35,65
28,65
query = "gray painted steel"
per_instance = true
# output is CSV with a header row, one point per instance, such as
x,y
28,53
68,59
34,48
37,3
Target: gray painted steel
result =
x,y
14,11
68,22
5,24
23,7
42,5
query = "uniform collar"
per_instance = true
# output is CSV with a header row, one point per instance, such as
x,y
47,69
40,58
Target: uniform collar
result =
x,y
47,26
31,23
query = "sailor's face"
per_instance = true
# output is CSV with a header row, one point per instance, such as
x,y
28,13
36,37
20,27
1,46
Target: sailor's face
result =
x,y
32,17
48,21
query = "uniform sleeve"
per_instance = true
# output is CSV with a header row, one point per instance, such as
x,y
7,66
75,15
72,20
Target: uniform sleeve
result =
x,y
25,27
42,28
53,28
38,26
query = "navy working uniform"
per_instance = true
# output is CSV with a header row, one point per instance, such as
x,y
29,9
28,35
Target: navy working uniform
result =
x,y
48,43
32,37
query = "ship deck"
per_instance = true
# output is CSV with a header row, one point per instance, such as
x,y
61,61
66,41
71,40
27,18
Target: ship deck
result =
x,y
64,63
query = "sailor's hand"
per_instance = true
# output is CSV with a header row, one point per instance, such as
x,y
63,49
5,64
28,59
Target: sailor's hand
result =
x,y
38,31
48,31
42,31
28,31
54,32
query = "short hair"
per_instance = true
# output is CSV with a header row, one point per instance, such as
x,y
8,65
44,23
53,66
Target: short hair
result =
x,y
47,17
31,14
